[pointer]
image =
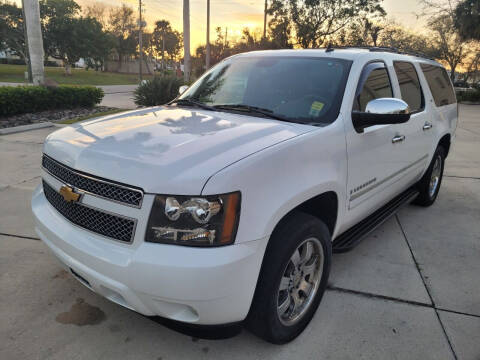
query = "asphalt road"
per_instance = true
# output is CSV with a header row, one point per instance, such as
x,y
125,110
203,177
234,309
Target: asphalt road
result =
x,y
411,290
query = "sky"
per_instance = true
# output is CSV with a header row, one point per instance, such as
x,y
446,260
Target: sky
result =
x,y
238,14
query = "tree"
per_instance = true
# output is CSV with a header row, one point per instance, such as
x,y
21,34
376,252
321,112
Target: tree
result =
x,y
396,36
279,27
97,11
59,24
12,33
122,26
361,32
96,43
315,21
467,19
448,43
166,41
162,27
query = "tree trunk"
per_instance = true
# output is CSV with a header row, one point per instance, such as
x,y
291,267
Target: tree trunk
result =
x,y
68,69
35,40
452,71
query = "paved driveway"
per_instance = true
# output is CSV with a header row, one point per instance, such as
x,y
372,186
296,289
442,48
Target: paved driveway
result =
x,y
411,290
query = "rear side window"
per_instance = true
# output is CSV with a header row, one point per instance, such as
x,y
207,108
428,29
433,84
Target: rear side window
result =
x,y
409,85
376,84
439,84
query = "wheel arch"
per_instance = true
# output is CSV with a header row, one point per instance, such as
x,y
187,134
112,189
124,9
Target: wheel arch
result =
x,y
323,206
445,142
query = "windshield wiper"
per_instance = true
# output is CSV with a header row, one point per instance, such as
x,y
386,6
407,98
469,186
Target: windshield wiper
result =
x,y
253,109
190,102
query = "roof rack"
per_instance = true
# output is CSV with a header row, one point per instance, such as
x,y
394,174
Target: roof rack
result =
x,y
394,50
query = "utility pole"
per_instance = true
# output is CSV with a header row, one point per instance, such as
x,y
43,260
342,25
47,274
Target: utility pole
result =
x,y
35,40
207,50
27,55
186,40
265,20
140,39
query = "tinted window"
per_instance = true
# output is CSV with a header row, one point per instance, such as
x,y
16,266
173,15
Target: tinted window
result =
x,y
439,84
409,85
301,89
377,85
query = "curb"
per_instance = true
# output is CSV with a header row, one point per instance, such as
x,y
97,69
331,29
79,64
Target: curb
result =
x,y
21,128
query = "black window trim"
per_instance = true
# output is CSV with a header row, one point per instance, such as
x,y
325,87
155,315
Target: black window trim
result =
x,y
422,109
379,64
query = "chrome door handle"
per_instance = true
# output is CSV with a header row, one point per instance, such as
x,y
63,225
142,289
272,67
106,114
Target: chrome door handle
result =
x,y
398,138
427,126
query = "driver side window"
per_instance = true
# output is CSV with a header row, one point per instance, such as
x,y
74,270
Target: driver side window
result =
x,y
374,83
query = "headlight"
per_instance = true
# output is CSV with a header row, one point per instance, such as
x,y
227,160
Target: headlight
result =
x,y
194,221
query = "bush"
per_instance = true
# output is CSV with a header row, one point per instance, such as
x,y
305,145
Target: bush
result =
x,y
158,91
12,61
22,62
26,99
470,96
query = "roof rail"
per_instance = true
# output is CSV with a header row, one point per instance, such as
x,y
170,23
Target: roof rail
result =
x,y
394,50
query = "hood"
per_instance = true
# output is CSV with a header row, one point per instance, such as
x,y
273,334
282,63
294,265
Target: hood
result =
x,y
166,150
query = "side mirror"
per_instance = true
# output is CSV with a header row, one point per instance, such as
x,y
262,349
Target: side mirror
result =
x,y
381,111
182,89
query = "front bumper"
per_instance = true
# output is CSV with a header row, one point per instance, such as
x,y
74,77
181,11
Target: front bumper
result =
x,y
205,286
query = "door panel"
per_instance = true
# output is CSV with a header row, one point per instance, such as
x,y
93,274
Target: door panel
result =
x,y
377,157
418,130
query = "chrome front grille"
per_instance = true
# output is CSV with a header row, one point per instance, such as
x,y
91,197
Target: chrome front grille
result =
x,y
104,188
95,220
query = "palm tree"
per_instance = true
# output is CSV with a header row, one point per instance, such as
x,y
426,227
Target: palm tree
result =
x,y
35,40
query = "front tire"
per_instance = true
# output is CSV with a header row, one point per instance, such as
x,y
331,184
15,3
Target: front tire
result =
x,y
292,280
429,185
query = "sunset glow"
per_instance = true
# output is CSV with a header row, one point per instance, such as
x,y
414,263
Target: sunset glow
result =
x,y
238,14
235,15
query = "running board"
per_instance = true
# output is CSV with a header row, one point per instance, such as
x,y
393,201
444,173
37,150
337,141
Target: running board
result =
x,y
353,236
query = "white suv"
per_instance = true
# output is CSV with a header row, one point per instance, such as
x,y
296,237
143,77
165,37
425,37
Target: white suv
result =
x,y
225,205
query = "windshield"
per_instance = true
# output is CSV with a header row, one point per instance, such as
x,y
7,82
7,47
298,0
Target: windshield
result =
x,y
300,89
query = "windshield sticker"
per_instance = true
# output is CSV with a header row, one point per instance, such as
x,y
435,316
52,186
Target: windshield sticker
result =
x,y
316,108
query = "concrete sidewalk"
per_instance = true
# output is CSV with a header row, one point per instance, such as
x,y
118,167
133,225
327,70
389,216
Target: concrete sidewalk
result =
x,y
411,290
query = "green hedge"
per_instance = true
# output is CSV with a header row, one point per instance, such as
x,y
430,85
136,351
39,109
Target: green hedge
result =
x,y
158,91
471,96
26,99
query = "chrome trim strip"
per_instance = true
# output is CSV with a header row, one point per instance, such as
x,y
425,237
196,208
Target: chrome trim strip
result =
x,y
363,192
99,210
94,179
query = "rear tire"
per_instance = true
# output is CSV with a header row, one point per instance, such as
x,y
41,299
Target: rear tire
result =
x,y
292,280
429,185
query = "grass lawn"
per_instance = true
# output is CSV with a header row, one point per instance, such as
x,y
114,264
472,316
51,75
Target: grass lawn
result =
x,y
92,116
15,73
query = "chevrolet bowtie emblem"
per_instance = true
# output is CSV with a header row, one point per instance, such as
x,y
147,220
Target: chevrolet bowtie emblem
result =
x,y
68,194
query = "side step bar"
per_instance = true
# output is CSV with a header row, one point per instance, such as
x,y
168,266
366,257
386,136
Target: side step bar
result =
x,y
353,236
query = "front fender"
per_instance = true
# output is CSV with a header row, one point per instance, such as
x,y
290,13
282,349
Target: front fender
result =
x,y
276,180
